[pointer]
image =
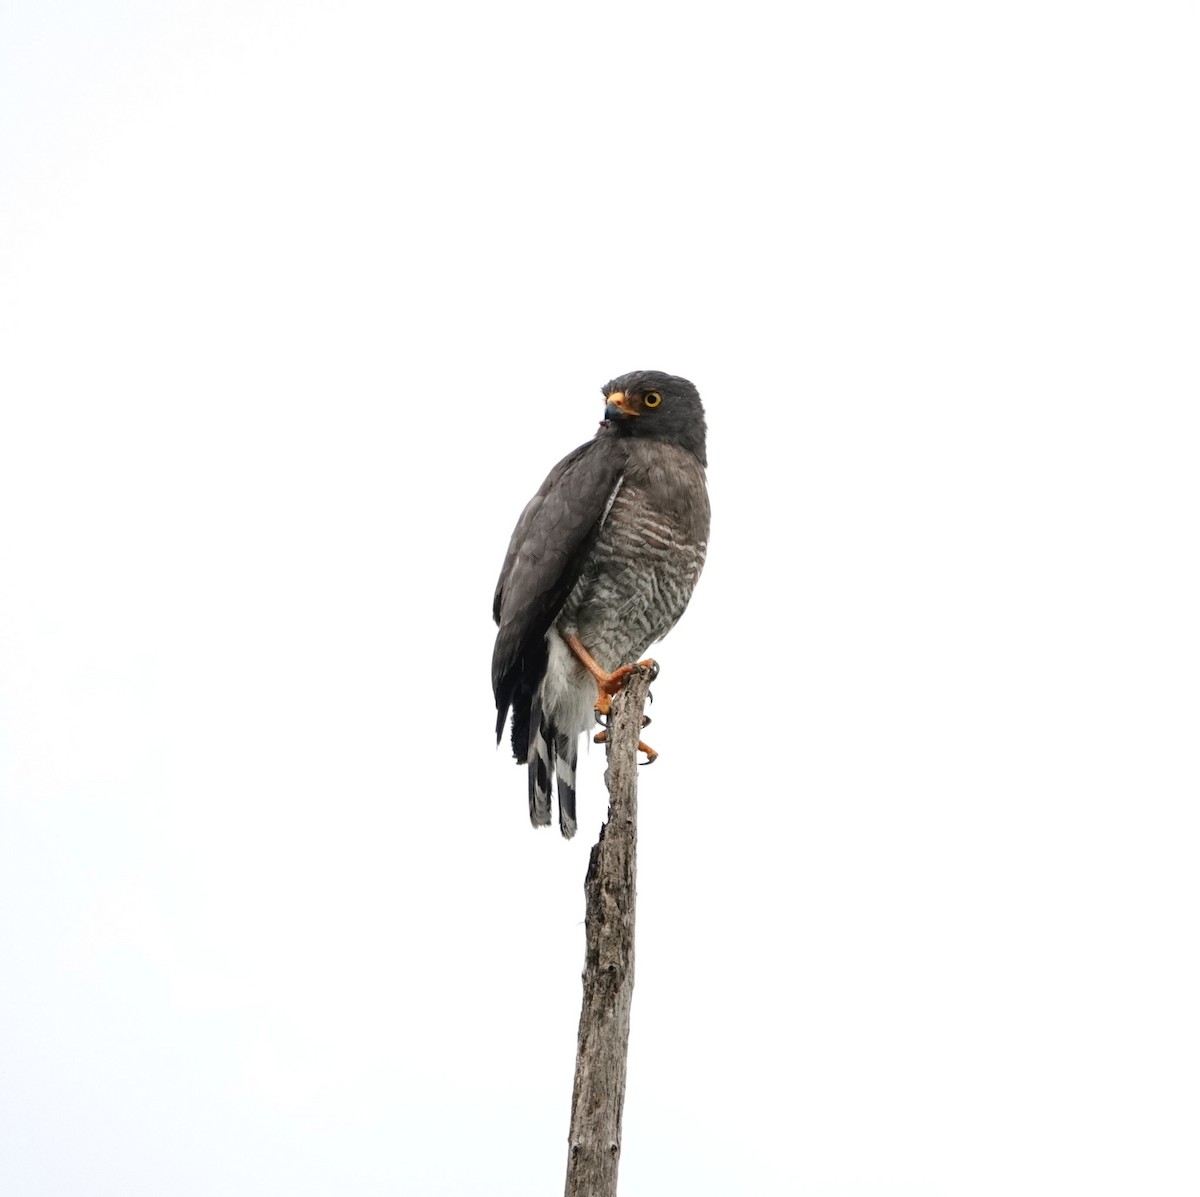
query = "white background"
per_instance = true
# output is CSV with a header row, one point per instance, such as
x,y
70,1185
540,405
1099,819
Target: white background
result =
x,y
299,304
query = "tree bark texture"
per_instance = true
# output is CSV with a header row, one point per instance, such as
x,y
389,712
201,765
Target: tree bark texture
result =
x,y
610,890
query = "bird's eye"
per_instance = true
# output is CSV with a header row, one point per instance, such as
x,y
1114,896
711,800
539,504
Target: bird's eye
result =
x,y
652,399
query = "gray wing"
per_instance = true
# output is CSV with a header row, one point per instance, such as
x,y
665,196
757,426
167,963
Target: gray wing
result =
x,y
548,548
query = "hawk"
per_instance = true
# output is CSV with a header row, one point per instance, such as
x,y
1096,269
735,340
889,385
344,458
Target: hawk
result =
x,y
601,564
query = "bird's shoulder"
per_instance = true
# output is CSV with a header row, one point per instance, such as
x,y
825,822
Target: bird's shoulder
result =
x,y
566,508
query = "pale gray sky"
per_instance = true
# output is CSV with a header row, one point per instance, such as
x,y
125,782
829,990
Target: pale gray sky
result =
x,y
299,303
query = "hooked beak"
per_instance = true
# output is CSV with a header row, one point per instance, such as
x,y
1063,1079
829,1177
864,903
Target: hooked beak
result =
x,y
618,407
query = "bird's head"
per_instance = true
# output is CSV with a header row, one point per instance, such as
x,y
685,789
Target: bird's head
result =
x,y
661,406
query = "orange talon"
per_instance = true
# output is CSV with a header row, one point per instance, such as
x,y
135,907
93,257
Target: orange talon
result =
x,y
601,737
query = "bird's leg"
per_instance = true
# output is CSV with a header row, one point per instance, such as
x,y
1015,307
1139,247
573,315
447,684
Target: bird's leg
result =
x,y
607,684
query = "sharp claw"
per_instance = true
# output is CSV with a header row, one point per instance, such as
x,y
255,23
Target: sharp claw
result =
x,y
649,695
653,670
601,718
646,721
650,759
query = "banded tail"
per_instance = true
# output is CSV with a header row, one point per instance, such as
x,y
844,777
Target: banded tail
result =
x,y
552,753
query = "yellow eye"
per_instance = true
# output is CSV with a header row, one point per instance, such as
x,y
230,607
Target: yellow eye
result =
x,y
652,399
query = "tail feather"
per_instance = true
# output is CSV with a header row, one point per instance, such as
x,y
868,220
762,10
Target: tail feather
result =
x,y
552,753
566,751
541,768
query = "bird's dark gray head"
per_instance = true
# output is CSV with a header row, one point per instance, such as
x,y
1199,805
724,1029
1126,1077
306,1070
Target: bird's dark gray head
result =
x,y
653,404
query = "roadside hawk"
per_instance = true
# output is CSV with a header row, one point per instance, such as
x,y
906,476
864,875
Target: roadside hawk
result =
x,y
601,564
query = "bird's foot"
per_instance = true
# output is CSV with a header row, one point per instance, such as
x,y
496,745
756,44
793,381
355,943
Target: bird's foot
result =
x,y
601,737
603,719
609,684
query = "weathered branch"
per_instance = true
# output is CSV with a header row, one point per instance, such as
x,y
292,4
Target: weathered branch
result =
x,y
610,889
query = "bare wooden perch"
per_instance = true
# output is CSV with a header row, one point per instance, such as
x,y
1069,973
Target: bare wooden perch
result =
x,y
610,890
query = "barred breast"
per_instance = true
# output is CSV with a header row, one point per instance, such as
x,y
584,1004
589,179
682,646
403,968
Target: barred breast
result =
x,y
646,559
